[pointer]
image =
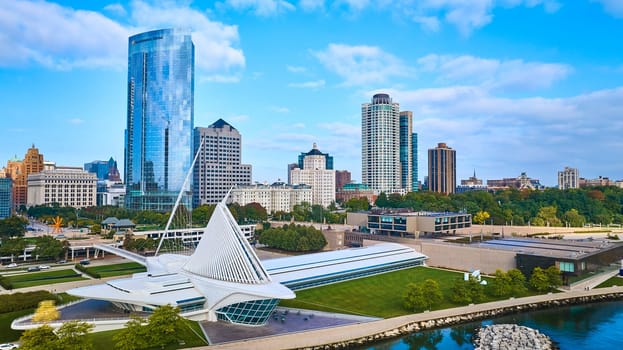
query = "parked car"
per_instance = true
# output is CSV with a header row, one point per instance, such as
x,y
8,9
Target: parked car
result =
x,y
8,346
44,267
33,268
61,262
11,265
85,262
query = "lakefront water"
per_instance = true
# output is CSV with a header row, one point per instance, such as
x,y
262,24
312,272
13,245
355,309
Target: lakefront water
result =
x,y
592,326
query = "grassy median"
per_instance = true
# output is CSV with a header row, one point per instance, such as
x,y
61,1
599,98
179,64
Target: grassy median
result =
x,y
31,279
115,269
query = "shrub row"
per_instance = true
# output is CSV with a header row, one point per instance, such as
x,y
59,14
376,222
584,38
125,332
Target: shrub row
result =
x,y
23,301
93,274
43,278
5,283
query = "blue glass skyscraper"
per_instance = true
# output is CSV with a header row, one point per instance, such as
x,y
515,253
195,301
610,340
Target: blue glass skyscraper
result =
x,y
158,139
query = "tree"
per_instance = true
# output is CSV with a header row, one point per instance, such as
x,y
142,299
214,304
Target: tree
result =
x,y
480,217
470,291
501,286
73,335
539,280
382,201
96,229
554,277
357,204
573,217
40,338
518,282
133,336
202,214
14,246
414,299
164,325
432,293
48,247
14,226
46,312
547,216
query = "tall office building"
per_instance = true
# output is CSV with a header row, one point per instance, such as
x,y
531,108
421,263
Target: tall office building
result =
x,y
218,167
18,170
159,134
315,174
442,169
104,169
415,182
568,178
6,198
342,177
380,144
408,153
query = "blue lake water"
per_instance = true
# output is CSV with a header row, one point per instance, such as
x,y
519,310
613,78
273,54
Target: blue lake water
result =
x,y
592,326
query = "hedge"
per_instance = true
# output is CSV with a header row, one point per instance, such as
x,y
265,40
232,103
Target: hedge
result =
x,y
93,274
23,301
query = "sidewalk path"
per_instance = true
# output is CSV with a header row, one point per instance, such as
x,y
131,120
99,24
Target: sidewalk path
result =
x,y
360,330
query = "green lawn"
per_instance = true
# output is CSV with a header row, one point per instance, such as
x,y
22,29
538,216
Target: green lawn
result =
x,y
379,295
191,338
6,333
31,279
613,281
116,269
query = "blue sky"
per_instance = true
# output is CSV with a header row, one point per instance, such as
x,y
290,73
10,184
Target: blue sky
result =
x,y
513,85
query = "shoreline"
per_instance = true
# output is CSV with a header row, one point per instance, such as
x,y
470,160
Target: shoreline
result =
x,y
371,332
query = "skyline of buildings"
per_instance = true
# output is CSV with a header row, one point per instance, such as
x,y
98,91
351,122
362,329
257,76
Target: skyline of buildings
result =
x,y
160,121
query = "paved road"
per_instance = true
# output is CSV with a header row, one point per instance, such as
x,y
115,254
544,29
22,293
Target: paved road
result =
x,y
345,333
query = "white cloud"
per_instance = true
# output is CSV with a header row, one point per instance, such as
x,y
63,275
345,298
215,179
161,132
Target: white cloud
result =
x,y
298,126
116,9
239,118
214,41
76,121
261,7
612,7
220,78
361,64
308,84
342,129
295,69
57,37
280,109
493,73
311,5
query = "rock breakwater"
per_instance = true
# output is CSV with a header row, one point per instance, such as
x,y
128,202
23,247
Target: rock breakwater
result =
x,y
511,337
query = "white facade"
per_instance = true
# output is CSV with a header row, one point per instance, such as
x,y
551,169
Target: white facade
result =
x,y
273,198
218,167
110,193
316,175
568,178
67,186
380,144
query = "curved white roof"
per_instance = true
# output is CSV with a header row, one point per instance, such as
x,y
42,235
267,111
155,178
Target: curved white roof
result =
x,y
224,254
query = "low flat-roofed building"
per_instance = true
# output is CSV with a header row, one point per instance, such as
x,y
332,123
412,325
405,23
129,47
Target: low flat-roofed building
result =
x,y
572,257
355,190
405,223
311,270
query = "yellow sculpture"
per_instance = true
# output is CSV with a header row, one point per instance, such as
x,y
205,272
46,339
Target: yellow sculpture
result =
x,y
58,221
46,312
